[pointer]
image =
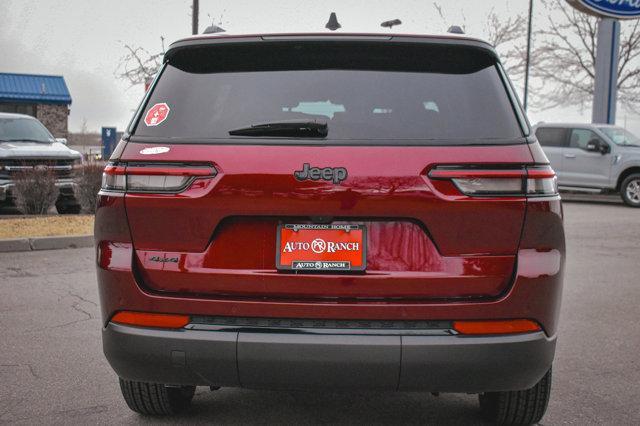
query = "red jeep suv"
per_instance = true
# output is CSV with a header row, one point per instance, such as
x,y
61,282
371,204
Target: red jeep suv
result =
x,y
331,211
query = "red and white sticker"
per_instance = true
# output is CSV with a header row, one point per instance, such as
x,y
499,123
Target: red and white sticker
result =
x,y
157,114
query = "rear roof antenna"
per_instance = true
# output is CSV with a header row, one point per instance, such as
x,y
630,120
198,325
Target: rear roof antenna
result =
x,y
390,24
455,29
333,23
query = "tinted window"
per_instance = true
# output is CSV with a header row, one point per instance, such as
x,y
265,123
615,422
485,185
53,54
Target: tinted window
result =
x,y
581,137
356,104
552,136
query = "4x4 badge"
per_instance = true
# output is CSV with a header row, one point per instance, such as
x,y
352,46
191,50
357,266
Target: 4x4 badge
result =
x,y
332,174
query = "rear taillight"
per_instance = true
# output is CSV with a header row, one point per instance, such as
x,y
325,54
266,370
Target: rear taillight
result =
x,y
531,181
153,177
541,181
113,178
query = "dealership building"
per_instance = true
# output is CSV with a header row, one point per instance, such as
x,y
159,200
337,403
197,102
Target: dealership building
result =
x,y
45,97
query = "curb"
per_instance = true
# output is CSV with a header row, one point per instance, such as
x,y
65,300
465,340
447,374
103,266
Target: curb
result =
x,y
45,243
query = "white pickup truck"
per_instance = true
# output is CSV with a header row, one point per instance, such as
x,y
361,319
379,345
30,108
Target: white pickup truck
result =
x,y
593,158
25,144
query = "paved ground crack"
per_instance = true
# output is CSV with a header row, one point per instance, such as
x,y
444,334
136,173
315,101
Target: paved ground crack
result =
x,y
76,307
77,296
30,367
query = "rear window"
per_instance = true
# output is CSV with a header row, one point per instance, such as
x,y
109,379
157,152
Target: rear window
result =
x,y
447,100
552,136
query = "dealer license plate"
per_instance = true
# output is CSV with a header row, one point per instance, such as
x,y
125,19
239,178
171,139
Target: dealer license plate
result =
x,y
321,247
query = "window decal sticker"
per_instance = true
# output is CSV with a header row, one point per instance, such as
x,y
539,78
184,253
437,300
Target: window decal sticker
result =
x,y
157,114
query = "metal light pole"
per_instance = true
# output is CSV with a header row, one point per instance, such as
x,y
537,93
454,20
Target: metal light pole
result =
x,y
528,60
605,87
194,17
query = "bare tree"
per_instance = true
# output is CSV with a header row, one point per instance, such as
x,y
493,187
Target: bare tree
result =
x,y
508,36
138,65
563,60
83,136
35,190
461,18
217,21
84,128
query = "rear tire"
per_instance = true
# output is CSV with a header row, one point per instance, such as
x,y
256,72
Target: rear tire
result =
x,y
155,399
517,407
630,190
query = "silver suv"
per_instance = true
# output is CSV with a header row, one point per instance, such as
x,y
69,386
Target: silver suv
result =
x,y
25,144
593,158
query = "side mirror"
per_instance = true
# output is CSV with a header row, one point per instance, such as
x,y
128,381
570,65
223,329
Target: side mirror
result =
x,y
63,141
593,145
596,145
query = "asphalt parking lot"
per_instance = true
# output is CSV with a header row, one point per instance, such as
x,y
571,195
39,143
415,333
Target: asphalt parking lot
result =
x,y
52,369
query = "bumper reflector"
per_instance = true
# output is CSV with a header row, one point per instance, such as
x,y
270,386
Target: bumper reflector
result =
x,y
496,327
145,319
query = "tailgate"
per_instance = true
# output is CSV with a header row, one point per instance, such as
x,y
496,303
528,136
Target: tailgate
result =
x,y
424,239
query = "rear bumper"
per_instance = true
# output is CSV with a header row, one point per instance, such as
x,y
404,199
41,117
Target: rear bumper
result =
x,y
305,360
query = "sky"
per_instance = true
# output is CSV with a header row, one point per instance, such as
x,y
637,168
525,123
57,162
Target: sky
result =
x,y
83,39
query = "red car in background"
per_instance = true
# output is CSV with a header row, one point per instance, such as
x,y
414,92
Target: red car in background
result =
x,y
331,211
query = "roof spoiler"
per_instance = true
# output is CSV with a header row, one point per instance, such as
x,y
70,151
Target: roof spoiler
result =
x,y
219,40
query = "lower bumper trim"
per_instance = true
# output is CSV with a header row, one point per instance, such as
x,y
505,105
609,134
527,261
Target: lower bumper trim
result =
x,y
295,360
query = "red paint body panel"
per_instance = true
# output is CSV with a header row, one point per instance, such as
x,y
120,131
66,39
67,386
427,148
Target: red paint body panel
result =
x,y
401,263
428,241
383,182
534,293
457,243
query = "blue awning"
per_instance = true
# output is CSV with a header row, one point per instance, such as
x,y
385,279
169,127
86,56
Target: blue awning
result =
x,y
33,88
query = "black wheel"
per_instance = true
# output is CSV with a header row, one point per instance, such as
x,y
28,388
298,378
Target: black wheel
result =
x,y
68,209
155,399
517,407
630,190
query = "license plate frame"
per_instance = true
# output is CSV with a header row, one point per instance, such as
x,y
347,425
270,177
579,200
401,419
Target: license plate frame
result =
x,y
322,262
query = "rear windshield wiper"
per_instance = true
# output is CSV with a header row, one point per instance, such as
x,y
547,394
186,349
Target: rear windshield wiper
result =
x,y
293,129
